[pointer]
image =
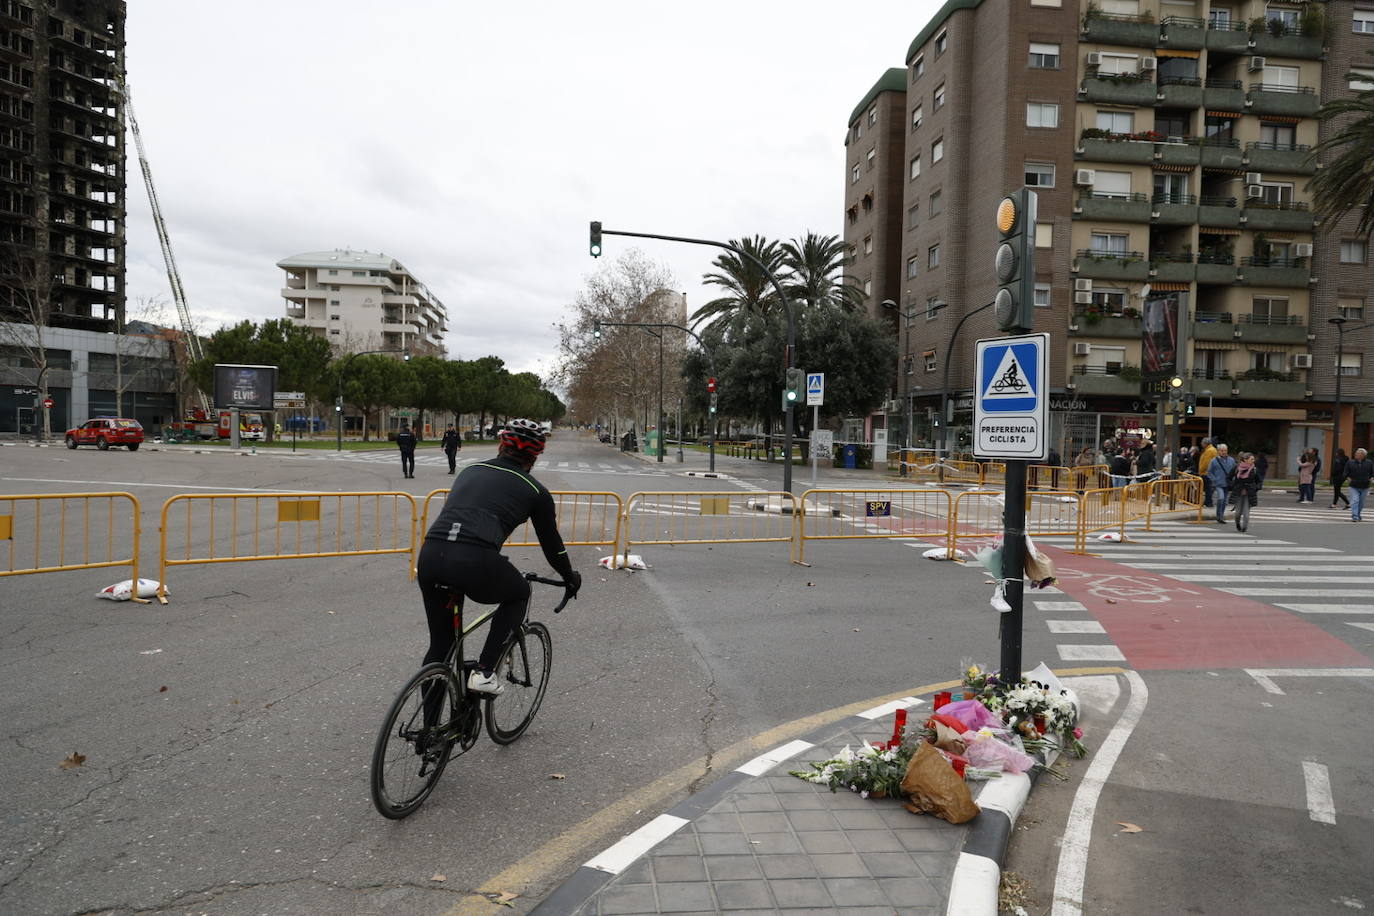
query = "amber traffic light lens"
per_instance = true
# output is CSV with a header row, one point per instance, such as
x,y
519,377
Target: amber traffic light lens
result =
x,y
1006,215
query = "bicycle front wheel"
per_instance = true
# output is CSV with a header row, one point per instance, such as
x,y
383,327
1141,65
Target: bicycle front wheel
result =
x,y
415,742
524,673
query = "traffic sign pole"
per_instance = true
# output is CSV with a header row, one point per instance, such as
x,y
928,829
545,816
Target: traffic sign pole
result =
x,y
1013,568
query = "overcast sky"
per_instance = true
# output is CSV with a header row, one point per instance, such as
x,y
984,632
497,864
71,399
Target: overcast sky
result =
x,y
474,147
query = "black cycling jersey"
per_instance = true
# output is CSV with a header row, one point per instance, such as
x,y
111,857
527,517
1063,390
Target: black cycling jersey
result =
x,y
489,500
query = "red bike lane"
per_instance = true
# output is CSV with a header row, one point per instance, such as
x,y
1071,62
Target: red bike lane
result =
x,y
1160,623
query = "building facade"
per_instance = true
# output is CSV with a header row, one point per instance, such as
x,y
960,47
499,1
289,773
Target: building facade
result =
x,y
62,175
360,300
1168,143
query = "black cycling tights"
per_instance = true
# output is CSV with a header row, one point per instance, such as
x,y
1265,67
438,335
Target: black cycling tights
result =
x,y
481,574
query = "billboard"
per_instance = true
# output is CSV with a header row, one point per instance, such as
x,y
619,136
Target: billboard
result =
x,y
1159,343
245,387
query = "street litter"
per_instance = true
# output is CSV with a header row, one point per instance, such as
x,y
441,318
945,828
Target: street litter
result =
x,y
616,561
123,591
942,553
1113,536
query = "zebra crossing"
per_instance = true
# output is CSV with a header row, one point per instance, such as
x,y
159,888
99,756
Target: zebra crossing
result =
x,y
1290,513
382,457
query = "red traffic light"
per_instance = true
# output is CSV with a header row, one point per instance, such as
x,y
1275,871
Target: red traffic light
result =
x,y
711,385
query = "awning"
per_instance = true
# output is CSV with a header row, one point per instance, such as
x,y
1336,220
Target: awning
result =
x,y
1162,167
1267,347
1223,114
1281,119
1170,286
1215,345
1253,413
1217,230
1172,52
1277,236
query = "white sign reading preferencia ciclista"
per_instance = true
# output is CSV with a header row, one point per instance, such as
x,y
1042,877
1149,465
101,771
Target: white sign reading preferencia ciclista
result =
x,y
1010,404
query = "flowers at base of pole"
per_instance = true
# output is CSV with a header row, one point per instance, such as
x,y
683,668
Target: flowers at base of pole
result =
x,y
870,771
976,677
1032,709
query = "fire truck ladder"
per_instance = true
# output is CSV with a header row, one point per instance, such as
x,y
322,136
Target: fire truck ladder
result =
x,y
193,348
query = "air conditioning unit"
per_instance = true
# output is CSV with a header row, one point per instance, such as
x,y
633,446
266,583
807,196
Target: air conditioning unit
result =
x,y
1254,191
1253,177
1081,285
1147,64
1082,349
1256,64
1302,360
1084,298
1302,250
1084,177
894,406
1094,58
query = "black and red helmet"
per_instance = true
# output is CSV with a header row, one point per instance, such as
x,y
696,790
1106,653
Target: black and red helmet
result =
x,y
524,437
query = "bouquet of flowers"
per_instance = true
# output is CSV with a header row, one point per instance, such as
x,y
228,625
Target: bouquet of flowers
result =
x,y
873,772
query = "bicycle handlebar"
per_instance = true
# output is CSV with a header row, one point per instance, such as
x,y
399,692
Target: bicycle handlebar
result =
x,y
558,583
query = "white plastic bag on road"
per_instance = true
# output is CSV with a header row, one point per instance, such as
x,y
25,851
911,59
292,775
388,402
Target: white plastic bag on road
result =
x,y
616,561
123,591
942,553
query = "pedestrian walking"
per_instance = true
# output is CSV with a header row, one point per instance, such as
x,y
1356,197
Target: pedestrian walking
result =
x,y
1204,464
1307,468
1262,466
1244,484
1218,478
405,441
1358,470
1338,463
451,442
1145,462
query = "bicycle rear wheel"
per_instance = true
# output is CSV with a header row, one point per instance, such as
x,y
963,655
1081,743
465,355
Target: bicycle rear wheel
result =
x,y
409,755
524,673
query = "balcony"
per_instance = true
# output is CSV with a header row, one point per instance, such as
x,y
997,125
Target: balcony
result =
x,y
1294,158
1182,32
1119,29
1176,151
1259,271
1289,44
1107,381
1212,326
1118,90
1111,265
1126,208
295,311
1218,211
1288,216
1220,153
1268,385
1291,101
1179,91
1100,146
1174,209
1098,321
1216,268
1228,37
1279,329
1174,267
1224,95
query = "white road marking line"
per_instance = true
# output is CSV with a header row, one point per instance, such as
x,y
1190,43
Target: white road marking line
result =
x,y
615,859
879,711
1300,592
1264,676
1073,849
1059,606
1090,653
1329,608
1333,566
1074,626
1202,539
1219,548
1321,807
111,485
765,762
1188,576
1363,626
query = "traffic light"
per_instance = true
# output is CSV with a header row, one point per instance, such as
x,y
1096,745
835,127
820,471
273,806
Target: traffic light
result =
x,y
338,404
1014,263
1190,403
711,385
596,239
795,380
596,329
713,402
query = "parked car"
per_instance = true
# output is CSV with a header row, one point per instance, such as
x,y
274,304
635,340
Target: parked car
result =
x,y
103,432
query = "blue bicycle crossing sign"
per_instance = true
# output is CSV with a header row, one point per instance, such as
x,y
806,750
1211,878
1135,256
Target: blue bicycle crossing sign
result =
x,y
1011,398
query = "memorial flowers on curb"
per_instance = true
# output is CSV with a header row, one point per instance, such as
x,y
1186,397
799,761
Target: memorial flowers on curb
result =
x,y
871,771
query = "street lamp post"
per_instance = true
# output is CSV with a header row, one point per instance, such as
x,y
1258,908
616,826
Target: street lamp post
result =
x,y
944,389
1209,415
907,316
338,403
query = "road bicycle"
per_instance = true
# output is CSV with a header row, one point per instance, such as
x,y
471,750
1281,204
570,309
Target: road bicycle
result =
x,y
435,715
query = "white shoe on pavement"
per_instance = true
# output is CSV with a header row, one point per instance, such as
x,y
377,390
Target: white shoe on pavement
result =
x,y
484,683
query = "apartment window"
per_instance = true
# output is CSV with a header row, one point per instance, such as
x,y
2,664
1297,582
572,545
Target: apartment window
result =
x,y
333,317
937,203
1352,363
1042,114
871,156
1171,187
939,97
1219,18
1042,295
333,273
918,66
911,268
913,216
931,311
1044,56
932,257
868,244
1361,80
1112,184
1289,18
1108,359
1111,301
873,116
1117,64
1109,243
930,360
1220,127
1054,3
333,301
1364,21
941,43
1116,122
1044,235
854,175
1280,79
333,330
1353,251
1273,362
1350,309
916,117
360,273
868,287
858,131
1039,174
1269,309
868,203
1278,136
1277,192
915,170
937,150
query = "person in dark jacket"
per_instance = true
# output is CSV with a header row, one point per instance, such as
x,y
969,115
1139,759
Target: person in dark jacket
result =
x,y
1338,463
405,441
1145,462
1244,481
1358,470
452,442
1121,468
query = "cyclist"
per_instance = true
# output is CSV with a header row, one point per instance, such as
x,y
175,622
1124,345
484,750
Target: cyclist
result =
x,y
462,550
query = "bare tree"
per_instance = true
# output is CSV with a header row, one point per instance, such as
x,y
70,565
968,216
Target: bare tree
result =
x,y
138,356
26,309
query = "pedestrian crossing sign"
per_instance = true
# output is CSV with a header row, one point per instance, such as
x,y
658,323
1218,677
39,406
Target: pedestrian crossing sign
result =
x,y
1010,403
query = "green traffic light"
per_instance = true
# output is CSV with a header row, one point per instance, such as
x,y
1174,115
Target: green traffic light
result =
x,y
595,246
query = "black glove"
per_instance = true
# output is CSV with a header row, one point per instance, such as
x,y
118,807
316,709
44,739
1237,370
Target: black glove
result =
x,y
574,583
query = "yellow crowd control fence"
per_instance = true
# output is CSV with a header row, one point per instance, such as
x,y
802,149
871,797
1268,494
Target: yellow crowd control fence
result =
x,y
708,517
585,519
856,513
56,532
243,527
1176,494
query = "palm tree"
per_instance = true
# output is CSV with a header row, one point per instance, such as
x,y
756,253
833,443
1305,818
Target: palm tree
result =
x,y
1347,181
817,264
747,288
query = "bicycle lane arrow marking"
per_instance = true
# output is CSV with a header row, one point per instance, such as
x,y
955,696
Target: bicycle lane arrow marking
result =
x,y
1182,626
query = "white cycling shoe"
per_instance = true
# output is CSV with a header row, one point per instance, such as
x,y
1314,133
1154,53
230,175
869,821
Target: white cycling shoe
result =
x,y
484,683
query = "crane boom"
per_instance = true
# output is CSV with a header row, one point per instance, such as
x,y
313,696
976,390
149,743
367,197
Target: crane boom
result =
x,y
193,347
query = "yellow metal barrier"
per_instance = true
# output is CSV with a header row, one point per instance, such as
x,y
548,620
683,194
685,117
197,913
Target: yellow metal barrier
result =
x,y
1175,494
1048,477
1101,509
57,532
1089,477
585,518
994,473
978,516
709,517
975,516
1053,513
896,513
242,527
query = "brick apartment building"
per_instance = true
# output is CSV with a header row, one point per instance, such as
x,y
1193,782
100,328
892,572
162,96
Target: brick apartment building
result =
x,y
1168,143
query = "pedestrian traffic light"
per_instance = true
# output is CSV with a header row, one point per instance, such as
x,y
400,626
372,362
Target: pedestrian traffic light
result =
x,y
596,239
795,380
1190,403
1014,263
